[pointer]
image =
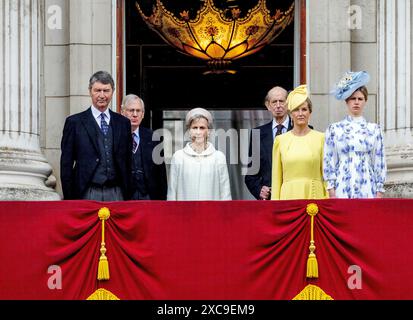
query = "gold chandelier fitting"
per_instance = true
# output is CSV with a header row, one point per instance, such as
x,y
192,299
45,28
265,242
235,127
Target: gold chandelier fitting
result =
x,y
216,38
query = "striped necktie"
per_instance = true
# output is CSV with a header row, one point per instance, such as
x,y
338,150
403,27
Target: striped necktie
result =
x,y
103,124
280,128
135,140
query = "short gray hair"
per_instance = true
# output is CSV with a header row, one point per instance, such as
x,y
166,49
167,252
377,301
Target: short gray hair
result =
x,y
130,98
102,77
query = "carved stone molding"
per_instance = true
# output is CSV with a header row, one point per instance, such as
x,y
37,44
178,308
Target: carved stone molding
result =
x,y
23,169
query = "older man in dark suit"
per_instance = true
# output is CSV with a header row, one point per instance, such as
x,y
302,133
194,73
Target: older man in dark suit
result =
x,y
259,181
148,167
96,160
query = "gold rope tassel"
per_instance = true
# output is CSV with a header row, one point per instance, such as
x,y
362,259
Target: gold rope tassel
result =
x,y
312,264
103,268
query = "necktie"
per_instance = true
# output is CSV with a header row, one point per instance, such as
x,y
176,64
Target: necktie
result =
x,y
135,142
103,124
279,129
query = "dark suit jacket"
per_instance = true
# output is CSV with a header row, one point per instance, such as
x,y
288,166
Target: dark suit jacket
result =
x,y
256,181
155,174
80,153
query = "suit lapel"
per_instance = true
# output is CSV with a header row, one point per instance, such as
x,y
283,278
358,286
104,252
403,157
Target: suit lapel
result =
x,y
290,124
116,130
91,127
144,145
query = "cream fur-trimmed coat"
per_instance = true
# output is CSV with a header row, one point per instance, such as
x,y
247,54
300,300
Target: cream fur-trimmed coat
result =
x,y
199,176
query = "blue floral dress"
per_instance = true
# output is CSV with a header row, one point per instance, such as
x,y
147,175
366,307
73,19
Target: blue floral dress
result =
x,y
354,161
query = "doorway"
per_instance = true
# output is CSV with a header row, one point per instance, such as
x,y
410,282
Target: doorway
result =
x,y
171,83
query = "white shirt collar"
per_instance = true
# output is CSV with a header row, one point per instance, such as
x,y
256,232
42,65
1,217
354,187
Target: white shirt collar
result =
x,y
286,123
357,119
136,132
96,114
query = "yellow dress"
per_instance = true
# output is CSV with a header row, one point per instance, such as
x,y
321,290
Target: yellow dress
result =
x,y
297,167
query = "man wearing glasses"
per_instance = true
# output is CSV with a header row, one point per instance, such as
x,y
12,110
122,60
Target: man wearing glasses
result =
x,y
259,183
148,167
95,163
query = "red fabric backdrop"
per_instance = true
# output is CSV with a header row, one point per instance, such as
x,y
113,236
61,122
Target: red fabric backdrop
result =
x,y
206,250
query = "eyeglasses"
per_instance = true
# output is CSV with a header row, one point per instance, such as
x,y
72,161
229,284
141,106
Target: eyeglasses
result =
x,y
132,111
275,102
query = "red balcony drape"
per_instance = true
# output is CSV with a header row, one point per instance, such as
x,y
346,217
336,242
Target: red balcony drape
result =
x,y
232,250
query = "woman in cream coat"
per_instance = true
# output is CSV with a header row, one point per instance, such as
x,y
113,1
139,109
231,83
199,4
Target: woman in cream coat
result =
x,y
199,171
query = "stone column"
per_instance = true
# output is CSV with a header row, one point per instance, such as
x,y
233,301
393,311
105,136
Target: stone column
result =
x,y
395,93
23,169
330,55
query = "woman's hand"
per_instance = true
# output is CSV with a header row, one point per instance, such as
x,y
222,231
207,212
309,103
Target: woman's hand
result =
x,y
332,193
379,195
265,193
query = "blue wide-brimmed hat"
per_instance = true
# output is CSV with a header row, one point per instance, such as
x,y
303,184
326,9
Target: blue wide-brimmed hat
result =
x,y
349,83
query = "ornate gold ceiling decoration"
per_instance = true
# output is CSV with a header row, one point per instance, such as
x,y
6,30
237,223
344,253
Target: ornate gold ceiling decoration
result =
x,y
215,37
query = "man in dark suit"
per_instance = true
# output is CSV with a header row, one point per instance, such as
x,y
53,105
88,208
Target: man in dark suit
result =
x,y
258,178
148,167
96,160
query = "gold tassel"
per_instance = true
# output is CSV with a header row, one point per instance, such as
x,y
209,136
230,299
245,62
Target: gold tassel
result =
x,y
103,268
312,264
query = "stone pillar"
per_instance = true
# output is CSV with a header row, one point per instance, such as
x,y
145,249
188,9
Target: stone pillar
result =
x,y
23,169
395,93
330,56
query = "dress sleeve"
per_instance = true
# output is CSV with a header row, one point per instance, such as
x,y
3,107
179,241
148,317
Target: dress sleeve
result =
x,y
330,159
276,172
173,179
322,165
379,161
224,180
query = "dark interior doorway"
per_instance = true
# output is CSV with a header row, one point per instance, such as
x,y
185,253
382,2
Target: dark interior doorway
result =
x,y
169,80
172,83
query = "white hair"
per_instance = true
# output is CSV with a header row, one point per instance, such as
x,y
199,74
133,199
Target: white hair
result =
x,y
130,98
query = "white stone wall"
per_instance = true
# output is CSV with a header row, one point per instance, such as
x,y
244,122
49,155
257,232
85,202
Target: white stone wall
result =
x,y
73,50
364,51
396,89
24,171
337,45
330,54
375,36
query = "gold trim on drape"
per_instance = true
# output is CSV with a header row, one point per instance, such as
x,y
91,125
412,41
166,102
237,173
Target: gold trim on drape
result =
x,y
102,294
312,292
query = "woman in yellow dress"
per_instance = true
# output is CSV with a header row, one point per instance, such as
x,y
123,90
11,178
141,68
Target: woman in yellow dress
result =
x,y
297,161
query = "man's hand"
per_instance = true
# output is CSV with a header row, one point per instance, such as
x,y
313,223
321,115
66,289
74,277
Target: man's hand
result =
x,y
379,195
265,193
332,193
